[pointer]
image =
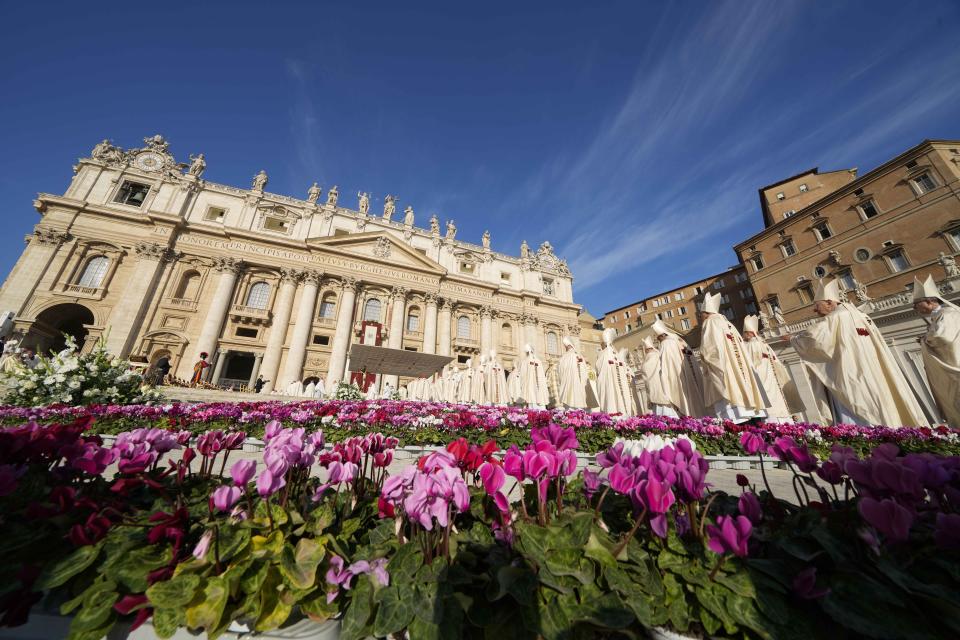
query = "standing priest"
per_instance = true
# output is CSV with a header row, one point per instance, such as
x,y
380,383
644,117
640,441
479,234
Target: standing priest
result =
x,y
941,347
675,376
847,354
730,388
771,373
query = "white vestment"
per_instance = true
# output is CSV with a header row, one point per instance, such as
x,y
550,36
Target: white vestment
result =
x,y
465,386
847,354
533,382
625,375
513,385
773,378
496,383
574,379
478,386
609,386
730,387
941,360
680,379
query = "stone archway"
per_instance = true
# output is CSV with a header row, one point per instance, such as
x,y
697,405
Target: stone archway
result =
x,y
47,331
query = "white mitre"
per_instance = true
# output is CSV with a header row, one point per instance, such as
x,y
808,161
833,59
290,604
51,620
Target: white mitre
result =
x,y
608,336
567,341
711,303
828,291
648,342
659,328
751,323
925,289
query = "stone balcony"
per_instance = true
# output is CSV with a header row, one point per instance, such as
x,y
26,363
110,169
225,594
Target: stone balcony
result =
x,y
182,303
250,315
81,290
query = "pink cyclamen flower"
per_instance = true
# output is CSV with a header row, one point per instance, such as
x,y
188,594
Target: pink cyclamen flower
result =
x,y
203,546
268,483
492,476
730,535
242,471
226,496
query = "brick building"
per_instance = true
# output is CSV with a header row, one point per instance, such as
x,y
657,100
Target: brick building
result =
x,y
678,307
873,232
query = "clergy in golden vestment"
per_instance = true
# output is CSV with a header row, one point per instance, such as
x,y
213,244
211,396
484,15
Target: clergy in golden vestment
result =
x,y
941,347
773,376
730,388
846,352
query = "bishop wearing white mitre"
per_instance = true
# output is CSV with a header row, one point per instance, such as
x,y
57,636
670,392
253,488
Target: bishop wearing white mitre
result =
x,y
574,377
941,347
773,376
533,380
609,386
496,381
730,388
679,379
847,354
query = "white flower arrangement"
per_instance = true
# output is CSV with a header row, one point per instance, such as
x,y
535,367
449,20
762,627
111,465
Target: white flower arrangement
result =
x,y
69,377
650,442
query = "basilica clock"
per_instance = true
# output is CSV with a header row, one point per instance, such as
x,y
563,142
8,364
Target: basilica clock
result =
x,y
149,161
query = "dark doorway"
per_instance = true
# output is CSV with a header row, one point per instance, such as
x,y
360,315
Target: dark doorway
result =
x,y
238,367
47,331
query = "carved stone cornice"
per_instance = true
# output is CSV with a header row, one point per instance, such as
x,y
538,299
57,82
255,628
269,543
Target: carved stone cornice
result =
x,y
574,329
486,311
446,304
430,299
349,283
50,236
154,251
291,275
225,264
313,276
398,293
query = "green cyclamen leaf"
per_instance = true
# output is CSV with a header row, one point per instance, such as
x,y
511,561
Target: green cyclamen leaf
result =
x,y
58,573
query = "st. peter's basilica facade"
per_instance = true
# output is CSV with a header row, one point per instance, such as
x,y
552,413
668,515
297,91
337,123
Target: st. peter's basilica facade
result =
x,y
144,252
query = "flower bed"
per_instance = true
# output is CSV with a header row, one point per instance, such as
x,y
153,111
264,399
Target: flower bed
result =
x,y
429,423
183,538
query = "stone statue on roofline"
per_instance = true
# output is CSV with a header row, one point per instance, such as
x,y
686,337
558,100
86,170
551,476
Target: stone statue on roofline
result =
x,y
197,165
451,230
332,196
260,180
364,204
408,216
313,193
389,206
434,225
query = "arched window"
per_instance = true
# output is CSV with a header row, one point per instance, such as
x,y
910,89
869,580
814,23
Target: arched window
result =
x,y
553,345
413,320
94,272
506,335
328,306
258,296
463,327
189,286
371,310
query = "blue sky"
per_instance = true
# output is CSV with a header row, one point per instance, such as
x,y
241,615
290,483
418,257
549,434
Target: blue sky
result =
x,y
631,135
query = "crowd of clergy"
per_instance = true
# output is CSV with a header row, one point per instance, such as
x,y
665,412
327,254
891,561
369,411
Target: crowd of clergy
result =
x,y
737,376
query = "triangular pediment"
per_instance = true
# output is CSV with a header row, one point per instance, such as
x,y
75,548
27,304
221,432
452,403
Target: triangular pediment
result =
x,y
377,246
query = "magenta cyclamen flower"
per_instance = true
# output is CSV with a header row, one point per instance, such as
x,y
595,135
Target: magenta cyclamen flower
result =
x,y
269,483
434,495
730,535
887,517
559,437
243,471
751,443
226,496
749,505
203,546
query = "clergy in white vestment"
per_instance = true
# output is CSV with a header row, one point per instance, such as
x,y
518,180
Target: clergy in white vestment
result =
x,y
478,389
773,376
649,375
680,378
941,347
295,388
496,381
465,384
730,388
846,352
574,377
533,380
609,386
309,390
626,377
319,389
453,382
513,385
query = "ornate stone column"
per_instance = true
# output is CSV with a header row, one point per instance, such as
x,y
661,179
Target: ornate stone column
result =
x,y
257,361
395,341
341,337
430,323
278,329
218,366
446,310
229,268
127,315
293,369
30,268
486,329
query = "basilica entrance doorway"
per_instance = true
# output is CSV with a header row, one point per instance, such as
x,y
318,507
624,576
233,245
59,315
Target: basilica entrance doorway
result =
x,y
237,369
